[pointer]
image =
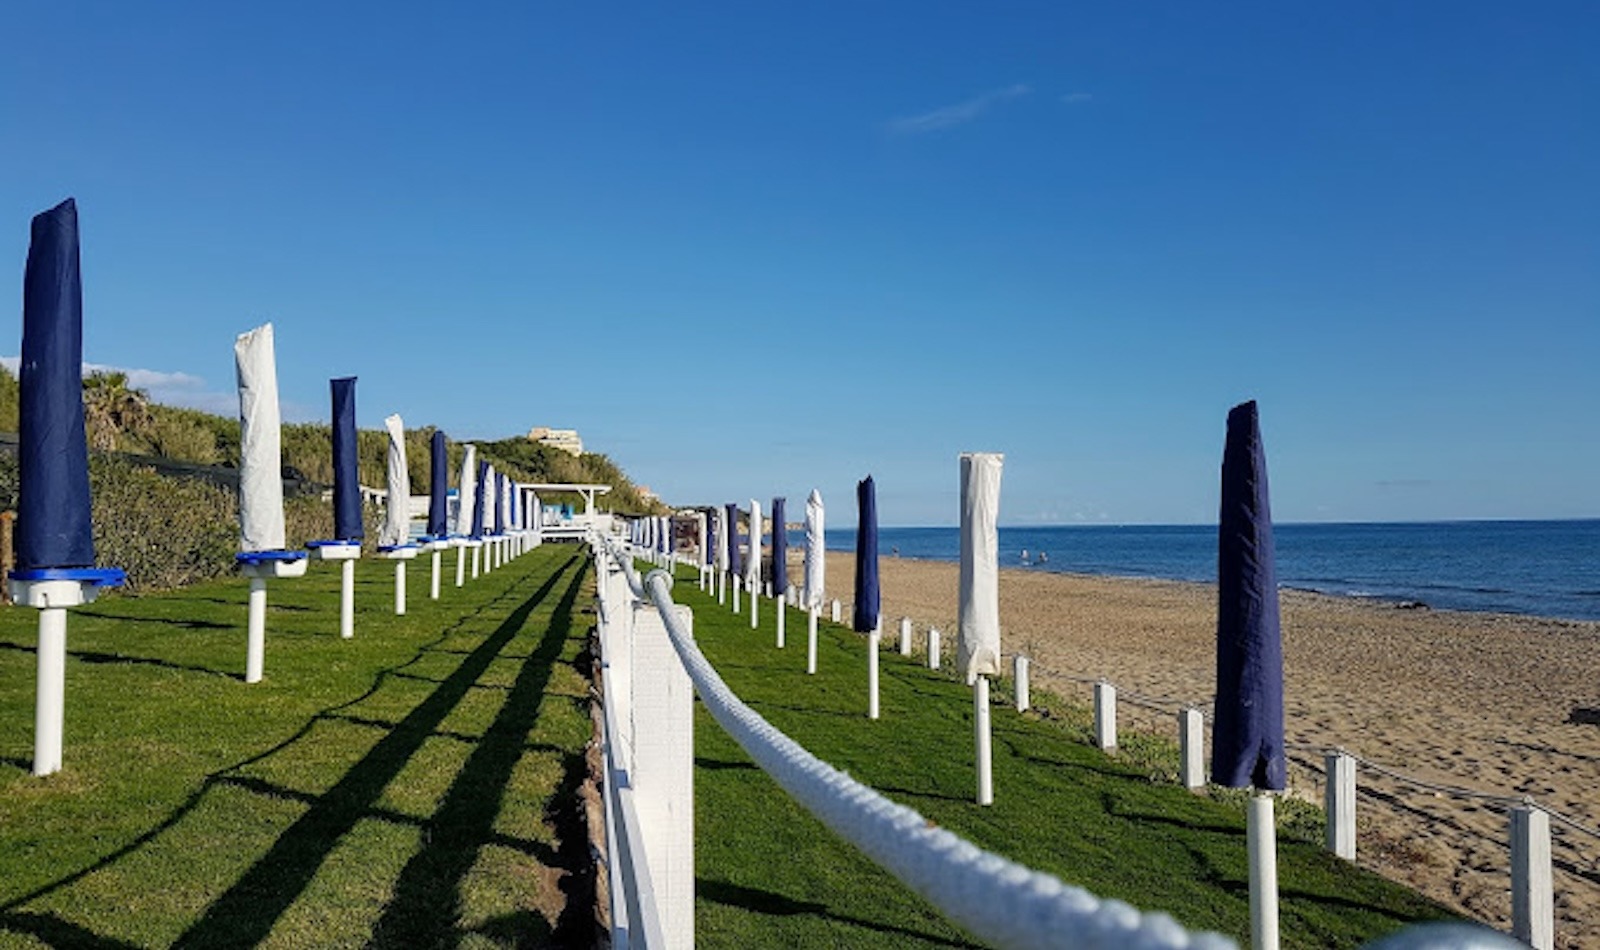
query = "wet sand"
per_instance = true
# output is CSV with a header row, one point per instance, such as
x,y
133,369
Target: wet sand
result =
x,y
1490,702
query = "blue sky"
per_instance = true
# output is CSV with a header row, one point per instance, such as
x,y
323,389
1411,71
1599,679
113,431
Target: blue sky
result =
x,y
748,249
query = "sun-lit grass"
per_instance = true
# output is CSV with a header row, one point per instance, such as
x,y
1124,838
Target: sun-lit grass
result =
x,y
413,786
769,875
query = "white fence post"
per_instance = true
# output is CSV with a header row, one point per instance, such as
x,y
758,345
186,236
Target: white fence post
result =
x,y
905,636
663,767
1341,804
1532,897
1191,749
933,648
1019,675
1105,715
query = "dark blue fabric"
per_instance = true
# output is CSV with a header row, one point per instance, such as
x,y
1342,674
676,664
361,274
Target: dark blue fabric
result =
x,y
346,478
1247,739
438,488
499,509
53,527
780,550
478,498
735,563
866,609
711,539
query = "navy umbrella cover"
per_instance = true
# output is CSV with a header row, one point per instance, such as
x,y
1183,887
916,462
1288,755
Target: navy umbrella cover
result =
x,y
1247,742
53,526
865,618
499,509
346,480
780,550
735,563
711,540
480,499
438,487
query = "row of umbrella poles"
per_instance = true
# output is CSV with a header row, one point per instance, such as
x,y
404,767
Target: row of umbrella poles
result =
x,y
1248,736
55,555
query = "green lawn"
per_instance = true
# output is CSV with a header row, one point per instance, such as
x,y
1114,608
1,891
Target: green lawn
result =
x,y
414,786
769,875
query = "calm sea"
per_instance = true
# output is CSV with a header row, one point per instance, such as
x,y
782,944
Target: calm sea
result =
x,y
1546,568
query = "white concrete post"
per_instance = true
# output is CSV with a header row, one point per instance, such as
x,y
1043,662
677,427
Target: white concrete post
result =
x,y
836,610
1105,715
782,610
433,585
1191,749
399,588
981,730
1019,676
872,673
1532,895
663,768
347,598
1340,799
255,650
811,640
1261,840
50,698
905,636
933,648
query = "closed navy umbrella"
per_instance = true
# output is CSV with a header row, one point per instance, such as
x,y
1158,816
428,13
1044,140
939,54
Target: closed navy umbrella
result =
x,y
53,528
780,551
480,500
439,488
866,606
735,562
1247,742
1247,730
346,478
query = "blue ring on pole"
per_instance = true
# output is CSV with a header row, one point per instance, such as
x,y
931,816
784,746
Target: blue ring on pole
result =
x,y
384,548
94,576
265,557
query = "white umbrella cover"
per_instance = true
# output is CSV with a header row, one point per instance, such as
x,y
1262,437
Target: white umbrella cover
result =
x,y
260,441
396,528
816,563
979,651
752,565
468,492
722,539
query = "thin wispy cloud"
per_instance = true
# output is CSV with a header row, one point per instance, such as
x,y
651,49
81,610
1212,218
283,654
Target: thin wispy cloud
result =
x,y
1074,98
959,114
170,389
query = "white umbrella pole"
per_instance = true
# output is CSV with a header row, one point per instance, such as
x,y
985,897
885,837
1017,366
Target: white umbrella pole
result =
x,y
1261,841
811,640
980,718
477,557
50,701
347,599
433,585
755,595
781,612
256,636
736,583
872,673
399,588
461,566
722,587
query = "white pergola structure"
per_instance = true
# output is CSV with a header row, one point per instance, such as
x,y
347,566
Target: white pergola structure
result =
x,y
579,523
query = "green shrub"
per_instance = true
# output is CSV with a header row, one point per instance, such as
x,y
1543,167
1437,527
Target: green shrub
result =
x,y
165,532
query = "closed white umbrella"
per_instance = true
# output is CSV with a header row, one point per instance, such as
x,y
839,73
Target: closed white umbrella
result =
x,y
752,564
816,563
396,528
978,656
467,492
260,434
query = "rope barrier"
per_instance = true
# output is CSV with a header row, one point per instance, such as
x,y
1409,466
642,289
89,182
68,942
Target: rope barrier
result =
x,y
998,900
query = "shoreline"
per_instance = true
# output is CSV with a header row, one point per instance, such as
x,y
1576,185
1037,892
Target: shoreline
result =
x,y
1494,702
1383,601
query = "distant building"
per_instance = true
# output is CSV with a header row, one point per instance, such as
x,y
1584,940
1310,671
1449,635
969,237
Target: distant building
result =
x,y
645,494
564,439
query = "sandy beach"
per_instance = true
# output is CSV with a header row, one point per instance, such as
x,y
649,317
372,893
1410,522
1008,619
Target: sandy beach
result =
x,y
1494,703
